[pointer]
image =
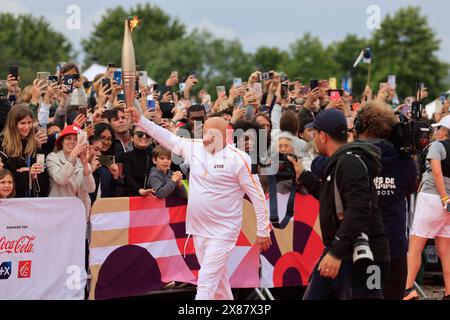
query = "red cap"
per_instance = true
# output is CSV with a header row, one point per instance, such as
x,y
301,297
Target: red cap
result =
x,y
68,130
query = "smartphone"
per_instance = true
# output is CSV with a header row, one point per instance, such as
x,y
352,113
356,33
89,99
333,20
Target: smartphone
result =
x,y
174,74
110,114
263,108
166,108
143,77
181,86
237,82
53,79
151,105
332,83
14,71
257,87
40,159
82,137
83,110
118,76
106,160
313,84
162,89
121,97
220,89
68,83
43,76
284,90
264,76
250,114
391,82
106,84
334,95
206,99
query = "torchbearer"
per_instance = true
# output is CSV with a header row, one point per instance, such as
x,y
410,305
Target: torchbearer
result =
x,y
219,178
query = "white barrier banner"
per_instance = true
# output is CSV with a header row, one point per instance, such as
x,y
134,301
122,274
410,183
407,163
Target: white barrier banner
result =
x,y
42,248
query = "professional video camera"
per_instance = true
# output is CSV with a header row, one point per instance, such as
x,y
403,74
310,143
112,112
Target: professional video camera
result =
x,y
411,135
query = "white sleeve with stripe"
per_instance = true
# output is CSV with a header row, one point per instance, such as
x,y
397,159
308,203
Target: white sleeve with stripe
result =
x,y
164,137
252,187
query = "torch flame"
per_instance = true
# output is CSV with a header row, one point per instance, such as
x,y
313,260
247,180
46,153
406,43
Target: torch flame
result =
x,y
134,22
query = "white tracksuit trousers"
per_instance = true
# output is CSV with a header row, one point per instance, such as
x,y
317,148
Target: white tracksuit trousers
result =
x,y
213,255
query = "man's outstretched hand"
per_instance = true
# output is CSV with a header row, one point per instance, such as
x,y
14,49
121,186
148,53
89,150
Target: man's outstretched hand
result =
x,y
133,114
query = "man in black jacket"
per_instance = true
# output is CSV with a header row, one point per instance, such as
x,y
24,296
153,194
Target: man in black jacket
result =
x,y
351,168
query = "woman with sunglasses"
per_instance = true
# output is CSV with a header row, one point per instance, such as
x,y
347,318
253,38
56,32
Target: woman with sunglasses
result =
x,y
137,165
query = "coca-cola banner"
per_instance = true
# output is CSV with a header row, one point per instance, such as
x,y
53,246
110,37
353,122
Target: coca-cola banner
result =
x,y
42,248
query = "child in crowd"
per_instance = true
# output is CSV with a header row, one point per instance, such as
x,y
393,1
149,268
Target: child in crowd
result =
x,y
7,189
164,181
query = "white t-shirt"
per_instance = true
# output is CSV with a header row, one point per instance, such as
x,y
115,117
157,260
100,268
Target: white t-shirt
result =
x,y
217,185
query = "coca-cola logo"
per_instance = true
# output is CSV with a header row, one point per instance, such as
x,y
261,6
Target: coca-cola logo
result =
x,y
22,245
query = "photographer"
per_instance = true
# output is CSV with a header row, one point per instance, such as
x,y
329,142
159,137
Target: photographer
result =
x,y
348,177
395,183
432,216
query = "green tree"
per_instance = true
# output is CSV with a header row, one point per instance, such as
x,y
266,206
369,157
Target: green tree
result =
x,y
406,46
267,59
31,43
309,59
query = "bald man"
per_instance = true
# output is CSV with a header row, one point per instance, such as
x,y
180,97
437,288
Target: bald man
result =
x,y
219,178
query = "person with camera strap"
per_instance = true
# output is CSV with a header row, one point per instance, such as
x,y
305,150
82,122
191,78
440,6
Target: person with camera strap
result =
x,y
350,218
432,213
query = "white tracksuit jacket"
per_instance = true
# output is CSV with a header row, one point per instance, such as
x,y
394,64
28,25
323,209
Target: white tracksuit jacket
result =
x,y
217,184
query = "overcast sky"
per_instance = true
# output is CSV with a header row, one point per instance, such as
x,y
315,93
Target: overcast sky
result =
x,y
254,22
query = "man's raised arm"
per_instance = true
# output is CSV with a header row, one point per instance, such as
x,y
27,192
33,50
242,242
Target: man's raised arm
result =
x,y
164,137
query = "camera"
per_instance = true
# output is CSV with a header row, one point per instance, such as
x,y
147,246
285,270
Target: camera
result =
x,y
264,76
362,255
286,169
411,136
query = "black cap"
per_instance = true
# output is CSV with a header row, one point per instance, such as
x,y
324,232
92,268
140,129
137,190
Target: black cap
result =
x,y
332,122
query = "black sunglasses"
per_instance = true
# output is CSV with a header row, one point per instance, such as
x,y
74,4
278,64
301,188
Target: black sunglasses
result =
x,y
141,134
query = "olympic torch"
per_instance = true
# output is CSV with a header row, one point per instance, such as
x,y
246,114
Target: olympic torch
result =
x,y
129,72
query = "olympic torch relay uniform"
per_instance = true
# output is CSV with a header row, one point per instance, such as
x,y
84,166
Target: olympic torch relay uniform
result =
x,y
217,185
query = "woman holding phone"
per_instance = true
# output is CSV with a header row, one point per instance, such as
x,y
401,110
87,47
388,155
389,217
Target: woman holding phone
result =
x,y
18,152
69,168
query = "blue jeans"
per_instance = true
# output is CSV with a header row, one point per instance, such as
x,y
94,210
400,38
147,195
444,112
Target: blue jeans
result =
x,y
350,283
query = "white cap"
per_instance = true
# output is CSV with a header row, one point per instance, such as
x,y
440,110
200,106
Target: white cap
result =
x,y
445,122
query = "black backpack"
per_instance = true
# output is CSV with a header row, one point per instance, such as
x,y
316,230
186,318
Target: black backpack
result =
x,y
445,164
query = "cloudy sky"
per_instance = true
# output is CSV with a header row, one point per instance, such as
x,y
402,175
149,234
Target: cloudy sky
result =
x,y
253,22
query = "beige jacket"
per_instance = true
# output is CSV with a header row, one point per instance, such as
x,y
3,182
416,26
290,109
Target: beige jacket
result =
x,y
68,180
